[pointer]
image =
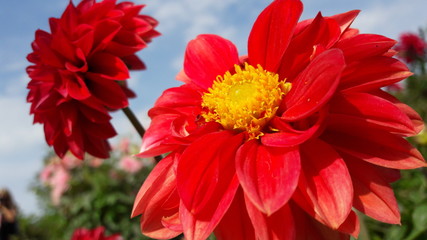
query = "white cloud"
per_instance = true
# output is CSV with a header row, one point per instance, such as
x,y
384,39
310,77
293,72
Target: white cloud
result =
x,y
17,131
193,17
390,18
22,148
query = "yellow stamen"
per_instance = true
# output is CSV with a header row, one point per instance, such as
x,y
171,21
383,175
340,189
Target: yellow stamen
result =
x,y
245,100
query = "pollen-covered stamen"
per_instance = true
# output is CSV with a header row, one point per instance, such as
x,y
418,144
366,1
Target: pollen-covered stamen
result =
x,y
245,100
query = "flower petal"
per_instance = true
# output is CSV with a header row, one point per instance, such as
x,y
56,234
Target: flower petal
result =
x,y
325,190
278,226
351,225
374,146
373,73
208,56
288,136
364,45
272,32
367,110
312,229
207,182
108,66
157,199
75,85
416,119
345,19
321,32
161,173
314,86
182,96
268,175
373,194
156,135
236,223
108,92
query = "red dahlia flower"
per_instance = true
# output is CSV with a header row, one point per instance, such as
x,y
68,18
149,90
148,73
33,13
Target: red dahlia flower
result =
x,y
284,142
79,72
93,234
411,47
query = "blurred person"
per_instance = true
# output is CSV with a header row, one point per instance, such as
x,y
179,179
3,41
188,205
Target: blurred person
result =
x,y
8,215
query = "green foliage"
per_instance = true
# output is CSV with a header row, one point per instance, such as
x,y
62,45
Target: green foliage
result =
x,y
96,196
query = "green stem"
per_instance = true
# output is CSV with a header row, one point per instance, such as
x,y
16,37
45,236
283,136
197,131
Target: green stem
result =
x,y
137,125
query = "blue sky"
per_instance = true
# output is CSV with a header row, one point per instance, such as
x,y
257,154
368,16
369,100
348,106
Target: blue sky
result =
x,y
22,144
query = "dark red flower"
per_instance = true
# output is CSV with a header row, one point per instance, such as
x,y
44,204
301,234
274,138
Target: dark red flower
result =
x,y
284,142
411,47
93,234
79,72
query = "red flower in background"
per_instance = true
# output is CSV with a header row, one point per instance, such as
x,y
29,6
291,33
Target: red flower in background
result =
x,y
79,71
411,47
93,234
281,143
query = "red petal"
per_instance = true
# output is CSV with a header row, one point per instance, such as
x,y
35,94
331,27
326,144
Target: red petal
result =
x,y
321,32
97,147
133,62
155,200
373,194
288,136
373,73
75,84
161,174
182,96
374,146
312,229
208,56
159,131
278,226
345,19
207,182
367,110
42,46
268,175
325,190
351,225
364,45
313,88
417,121
104,33
108,92
108,66
236,223
272,32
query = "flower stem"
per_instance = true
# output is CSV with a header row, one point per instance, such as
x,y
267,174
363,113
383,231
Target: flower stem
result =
x,y
137,125
132,118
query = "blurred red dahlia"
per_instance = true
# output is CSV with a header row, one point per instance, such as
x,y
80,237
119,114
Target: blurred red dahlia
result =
x,y
93,234
281,143
79,72
411,47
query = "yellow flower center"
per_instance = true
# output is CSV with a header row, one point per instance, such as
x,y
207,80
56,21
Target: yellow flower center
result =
x,y
246,100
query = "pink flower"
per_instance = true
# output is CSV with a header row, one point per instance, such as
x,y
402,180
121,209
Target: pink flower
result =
x,y
411,47
59,183
123,145
56,176
95,162
71,162
46,173
130,164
